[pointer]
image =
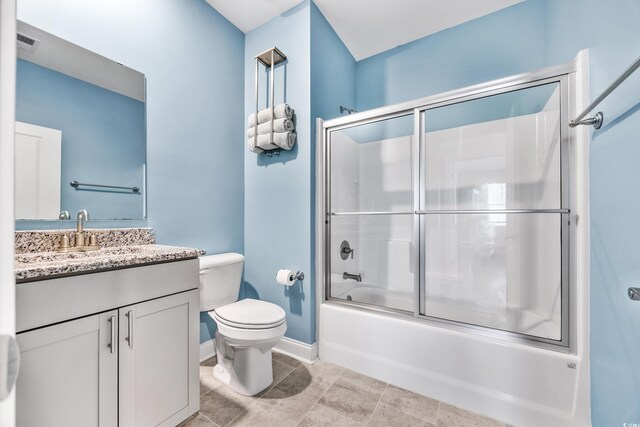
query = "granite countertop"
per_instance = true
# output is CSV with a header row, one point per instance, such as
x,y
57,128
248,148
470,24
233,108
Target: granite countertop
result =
x,y
47,265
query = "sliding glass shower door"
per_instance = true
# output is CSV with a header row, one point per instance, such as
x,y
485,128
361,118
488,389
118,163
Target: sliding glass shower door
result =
x,y
457,211
493,208
371,206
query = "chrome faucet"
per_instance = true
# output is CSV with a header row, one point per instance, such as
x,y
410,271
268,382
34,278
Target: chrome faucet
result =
x,y
356,277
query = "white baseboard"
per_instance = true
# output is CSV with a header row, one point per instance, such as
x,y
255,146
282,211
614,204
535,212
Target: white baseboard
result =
x,y
207,349
307,353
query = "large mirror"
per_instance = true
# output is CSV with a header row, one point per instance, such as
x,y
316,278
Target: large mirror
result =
x,y
80,132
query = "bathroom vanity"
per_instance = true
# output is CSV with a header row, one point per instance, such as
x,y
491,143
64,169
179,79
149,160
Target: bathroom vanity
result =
x,y
108,338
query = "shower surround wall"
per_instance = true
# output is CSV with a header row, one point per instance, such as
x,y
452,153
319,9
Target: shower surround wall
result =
x,y
465,265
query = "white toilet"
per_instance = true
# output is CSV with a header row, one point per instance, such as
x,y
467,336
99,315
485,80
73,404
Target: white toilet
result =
x,y
247,329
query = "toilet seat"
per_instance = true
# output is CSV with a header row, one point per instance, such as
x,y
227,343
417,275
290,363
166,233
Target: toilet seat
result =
x,y
250,314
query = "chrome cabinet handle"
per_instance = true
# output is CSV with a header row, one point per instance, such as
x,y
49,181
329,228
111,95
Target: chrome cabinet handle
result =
x,y
129,328
112,321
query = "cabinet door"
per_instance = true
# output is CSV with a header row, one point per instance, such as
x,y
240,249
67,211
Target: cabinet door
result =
x,y
68,374
159,361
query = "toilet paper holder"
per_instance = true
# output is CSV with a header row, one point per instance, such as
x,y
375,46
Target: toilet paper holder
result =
x,y
299,275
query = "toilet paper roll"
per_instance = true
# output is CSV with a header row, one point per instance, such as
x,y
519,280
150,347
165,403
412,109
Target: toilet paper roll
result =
x,y
286,277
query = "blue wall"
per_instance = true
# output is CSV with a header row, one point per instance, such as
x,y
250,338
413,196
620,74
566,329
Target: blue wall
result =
x,y
333,70
504,43
333,78
277,189
103,138
524,37
193,60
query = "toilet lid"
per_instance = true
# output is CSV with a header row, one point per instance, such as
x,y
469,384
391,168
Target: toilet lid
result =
x,y
251,313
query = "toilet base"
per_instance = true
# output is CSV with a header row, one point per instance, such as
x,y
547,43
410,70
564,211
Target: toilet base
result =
x,y
246,370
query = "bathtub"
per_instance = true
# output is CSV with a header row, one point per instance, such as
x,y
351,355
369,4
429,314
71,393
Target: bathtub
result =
x,y
369,293
519,384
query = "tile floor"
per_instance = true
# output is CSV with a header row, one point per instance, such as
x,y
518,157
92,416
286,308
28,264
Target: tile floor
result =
x,y
323,394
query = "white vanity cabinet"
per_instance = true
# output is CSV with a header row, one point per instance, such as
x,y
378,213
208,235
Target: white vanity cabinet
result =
x,y
156,362
133,364
68,374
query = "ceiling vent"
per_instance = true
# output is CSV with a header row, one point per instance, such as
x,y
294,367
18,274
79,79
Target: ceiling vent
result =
x,y
27,43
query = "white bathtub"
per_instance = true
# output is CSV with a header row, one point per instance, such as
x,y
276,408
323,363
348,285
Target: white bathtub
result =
x,y
368,293
521,385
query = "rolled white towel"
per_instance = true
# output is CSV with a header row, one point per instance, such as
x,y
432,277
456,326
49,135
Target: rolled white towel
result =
x,y
279,125
280,111
284,140
252,146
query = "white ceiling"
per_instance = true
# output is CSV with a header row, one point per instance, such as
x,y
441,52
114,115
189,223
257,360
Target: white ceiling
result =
x,y
67,58
369,27
250,14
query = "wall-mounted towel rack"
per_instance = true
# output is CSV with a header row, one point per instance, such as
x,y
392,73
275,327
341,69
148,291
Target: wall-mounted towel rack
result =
x,y
76,184
268,58
598,119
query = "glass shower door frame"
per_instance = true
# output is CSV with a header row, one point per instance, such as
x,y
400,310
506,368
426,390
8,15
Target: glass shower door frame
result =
x,y
559,74
420,182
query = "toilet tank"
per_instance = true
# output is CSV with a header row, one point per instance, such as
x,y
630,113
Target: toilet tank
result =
x,y
220,277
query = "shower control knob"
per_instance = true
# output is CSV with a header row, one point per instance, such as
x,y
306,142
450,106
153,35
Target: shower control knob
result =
x,y
345,250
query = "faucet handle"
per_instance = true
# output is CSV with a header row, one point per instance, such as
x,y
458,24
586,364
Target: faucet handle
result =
x,y
65,242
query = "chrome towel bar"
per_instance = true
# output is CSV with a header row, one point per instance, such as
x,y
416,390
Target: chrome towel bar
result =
x,y
76,184
598,119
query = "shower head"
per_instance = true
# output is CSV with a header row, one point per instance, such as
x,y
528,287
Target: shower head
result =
x,y
348,110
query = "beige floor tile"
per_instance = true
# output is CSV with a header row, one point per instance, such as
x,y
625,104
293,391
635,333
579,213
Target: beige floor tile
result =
x,y
197,420
257,417
362,382
451,416
280,370
385,416
411,403
221,405
354,396
207,381
285,359
321,416
291,398
325,373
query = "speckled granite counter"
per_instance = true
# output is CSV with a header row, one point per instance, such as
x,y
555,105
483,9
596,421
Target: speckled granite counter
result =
x,y
36,258
47,265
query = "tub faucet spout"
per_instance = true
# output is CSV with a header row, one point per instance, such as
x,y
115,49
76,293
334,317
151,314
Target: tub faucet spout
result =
x,y
356,277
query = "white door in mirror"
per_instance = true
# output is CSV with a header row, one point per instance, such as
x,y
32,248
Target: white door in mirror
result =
x,y
38,171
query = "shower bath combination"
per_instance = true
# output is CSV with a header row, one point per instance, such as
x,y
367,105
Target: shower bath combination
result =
x,y
461,214
463,225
